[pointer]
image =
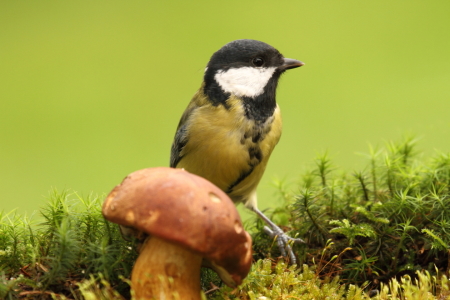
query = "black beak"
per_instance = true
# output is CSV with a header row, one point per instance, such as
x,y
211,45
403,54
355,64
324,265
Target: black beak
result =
x,y
290,63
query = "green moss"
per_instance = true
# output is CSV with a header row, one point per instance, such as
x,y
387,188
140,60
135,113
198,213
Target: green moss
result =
x,y
69,243
276,281
383,231
394,216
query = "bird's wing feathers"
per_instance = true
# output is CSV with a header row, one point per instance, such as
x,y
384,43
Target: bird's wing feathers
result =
x,y
181,136
177,146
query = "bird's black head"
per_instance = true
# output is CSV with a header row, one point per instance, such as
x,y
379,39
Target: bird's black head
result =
x,y
245,53
250,70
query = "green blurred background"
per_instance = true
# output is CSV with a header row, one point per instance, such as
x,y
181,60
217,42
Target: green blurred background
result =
x,y
93,90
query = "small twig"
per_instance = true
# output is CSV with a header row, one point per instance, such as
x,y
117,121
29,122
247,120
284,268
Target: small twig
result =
x,y
37,293
42,267
22,270
213,288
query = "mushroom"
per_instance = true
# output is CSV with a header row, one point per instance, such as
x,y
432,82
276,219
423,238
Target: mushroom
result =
x,y
188,220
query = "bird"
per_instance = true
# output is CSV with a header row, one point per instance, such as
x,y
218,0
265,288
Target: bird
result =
x,y
232,124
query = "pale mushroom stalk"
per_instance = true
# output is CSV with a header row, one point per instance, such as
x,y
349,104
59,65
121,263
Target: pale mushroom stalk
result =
x,y
165,270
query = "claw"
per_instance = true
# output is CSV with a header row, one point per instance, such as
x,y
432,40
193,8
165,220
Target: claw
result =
x,y
283,240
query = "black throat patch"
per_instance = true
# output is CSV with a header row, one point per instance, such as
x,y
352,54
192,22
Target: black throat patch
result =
x,y
262,107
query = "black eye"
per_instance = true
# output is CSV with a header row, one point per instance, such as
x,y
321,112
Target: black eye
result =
x,y
258,61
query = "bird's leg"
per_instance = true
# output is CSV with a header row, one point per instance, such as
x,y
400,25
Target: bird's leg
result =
x,y
282,238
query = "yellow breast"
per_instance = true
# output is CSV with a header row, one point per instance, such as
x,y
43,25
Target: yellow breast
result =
x,y
221,147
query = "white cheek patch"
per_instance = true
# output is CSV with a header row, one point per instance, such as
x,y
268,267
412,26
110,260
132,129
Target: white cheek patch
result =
x,y
245,81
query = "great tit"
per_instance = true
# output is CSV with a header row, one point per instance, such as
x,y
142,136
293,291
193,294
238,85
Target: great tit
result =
x,y
232,124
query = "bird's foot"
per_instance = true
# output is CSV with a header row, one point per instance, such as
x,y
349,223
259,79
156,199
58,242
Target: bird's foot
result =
x,y
284,241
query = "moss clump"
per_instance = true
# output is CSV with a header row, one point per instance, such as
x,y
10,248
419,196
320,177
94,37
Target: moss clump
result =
x,y
70,242
382,232
390,220
276,281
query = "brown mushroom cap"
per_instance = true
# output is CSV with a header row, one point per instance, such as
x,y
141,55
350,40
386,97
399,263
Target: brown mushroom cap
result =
x,y
187,210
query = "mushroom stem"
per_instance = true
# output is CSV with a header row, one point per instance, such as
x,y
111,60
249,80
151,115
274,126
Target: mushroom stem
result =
x,y
166,271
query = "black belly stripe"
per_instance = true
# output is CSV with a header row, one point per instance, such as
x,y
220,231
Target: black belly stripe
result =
x,y
255,157
239,180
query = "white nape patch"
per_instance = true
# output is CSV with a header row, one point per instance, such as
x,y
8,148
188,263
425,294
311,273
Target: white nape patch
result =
x,y
245,81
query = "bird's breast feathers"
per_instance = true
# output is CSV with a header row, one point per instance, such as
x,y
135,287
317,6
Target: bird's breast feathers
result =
x,y
226,147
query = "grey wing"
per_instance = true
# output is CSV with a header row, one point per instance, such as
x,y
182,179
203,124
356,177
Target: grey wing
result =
x,y
181,136
179,142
